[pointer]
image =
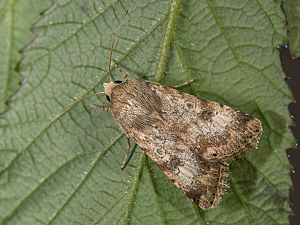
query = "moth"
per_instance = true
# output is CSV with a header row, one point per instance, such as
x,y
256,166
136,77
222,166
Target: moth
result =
x,y
192,140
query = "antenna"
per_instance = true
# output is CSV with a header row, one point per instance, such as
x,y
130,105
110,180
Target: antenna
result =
x,y
66,108
112,47
110,59
69,106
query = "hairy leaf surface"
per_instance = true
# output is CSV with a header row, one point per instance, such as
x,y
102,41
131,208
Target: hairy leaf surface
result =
x,y
61,165
16,17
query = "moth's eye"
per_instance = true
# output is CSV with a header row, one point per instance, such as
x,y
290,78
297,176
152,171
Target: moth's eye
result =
x,y
117,82
108,98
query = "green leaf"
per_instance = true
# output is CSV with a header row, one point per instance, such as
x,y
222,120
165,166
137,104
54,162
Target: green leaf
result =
x,y
60,163
16,18
292,11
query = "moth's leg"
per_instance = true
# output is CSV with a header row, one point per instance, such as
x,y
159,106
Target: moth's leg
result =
x,y
188,82
122,73
105,108
128,154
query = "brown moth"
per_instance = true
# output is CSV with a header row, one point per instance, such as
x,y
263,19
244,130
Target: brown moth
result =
x,y
192,140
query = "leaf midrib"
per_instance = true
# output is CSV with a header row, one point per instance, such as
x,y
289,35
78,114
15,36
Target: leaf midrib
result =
x,y
55,118
7,10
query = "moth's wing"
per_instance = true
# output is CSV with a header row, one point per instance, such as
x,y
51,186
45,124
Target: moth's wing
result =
x,y
190,139
201,180
215,131
212,185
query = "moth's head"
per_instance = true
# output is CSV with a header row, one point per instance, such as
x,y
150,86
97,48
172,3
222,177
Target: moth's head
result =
x,y
108,88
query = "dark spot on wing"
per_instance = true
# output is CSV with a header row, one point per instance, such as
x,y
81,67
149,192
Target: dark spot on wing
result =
x,y
243,118
206,113
174,163
194,195
190,105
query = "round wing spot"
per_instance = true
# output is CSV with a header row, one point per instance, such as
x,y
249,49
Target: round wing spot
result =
x,y
160,152
190,105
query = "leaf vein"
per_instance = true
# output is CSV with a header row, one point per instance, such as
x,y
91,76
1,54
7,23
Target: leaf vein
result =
x,y
158,203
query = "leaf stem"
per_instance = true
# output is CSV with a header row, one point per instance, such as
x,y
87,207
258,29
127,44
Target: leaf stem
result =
x,y
164,54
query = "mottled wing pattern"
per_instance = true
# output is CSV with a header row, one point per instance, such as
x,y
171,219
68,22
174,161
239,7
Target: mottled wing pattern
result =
x,y
214,130
202,180
192,140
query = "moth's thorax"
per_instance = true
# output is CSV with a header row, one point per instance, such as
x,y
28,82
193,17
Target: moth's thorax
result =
x,y
108,88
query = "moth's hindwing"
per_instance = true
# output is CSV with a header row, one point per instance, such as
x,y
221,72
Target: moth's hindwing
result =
x,y
192,140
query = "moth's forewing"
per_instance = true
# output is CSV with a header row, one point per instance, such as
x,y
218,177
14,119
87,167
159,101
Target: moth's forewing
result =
x,y
192,140
202,180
